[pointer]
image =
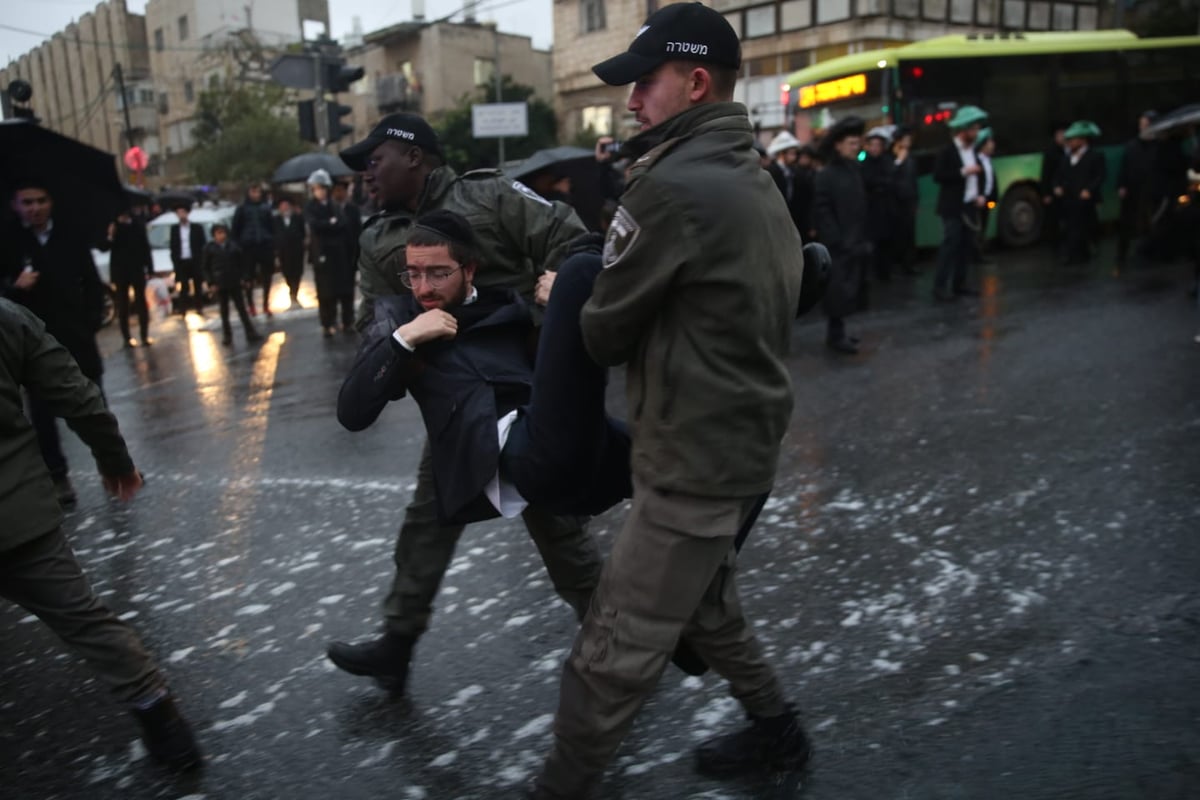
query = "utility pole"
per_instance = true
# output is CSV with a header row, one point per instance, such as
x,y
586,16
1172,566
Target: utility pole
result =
x,y
498,80
322,123
119,77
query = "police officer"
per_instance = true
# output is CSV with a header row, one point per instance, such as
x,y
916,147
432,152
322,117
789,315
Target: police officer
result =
x,y
520,236
702,271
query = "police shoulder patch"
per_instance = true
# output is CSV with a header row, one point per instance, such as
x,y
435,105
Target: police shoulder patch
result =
x,y
530,193
622,233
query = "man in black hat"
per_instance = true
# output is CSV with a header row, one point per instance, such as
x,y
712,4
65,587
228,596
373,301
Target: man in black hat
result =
x,y
49,270
520,237
1133,184
187,246
702,272
840,214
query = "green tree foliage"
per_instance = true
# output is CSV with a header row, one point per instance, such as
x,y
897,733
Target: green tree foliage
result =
x,y
242,133
463,151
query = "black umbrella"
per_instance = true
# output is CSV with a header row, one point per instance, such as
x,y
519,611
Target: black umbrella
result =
x,y
81,180
1179,118
558,157
171,199
138,196
298,168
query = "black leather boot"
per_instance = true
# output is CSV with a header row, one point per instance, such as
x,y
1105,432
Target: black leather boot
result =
x,y
769,744
385,659
167,735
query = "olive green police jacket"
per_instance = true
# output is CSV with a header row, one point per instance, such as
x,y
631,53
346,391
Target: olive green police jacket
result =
x,y
521,234
699,290
32,358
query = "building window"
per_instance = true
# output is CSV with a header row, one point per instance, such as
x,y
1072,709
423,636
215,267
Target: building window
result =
x,y
146,97
1014,14
189,92
832,10
1064,17
985,11
485,68
1039,16
795,14
909,9
934,9
760,21
868,8
163,106
591,16
158,40
597,119
183,28
961,11
1087,18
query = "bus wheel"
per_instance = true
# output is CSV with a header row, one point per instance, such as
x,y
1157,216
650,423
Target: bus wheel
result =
x,y
1020,222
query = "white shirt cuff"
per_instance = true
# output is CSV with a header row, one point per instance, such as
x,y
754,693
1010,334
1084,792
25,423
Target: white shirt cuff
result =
x,y
396,335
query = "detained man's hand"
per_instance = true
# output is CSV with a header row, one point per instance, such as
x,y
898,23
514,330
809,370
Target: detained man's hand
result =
x,y
429,326
541,295
123,487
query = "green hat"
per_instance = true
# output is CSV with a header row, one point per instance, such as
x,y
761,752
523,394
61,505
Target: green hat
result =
x,y
967,116
983,136
1082,129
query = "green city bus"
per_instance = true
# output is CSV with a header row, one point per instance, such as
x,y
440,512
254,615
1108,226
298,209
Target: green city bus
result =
x,y
1027,82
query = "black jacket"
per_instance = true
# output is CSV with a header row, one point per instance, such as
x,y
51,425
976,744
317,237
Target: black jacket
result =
x,y
878,176
840,208
1088,173
131,260
289,239
797,191
462,385
1052,158
952,184
224,265
334,240
1137,165
68,295
252,224
196,239
904,183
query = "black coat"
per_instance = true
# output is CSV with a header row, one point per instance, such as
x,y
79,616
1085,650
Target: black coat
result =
x,y
840,215
1052,158
462,385
252,225
878,178
797,191
952,184
289,239
68,295
1137,165
1088,173
224,265
195,238
130,259
331,246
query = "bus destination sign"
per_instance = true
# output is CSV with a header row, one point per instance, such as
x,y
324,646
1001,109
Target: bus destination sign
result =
x,y
828,91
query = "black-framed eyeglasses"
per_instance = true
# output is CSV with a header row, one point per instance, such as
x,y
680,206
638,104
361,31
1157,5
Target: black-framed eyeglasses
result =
x,y
434,278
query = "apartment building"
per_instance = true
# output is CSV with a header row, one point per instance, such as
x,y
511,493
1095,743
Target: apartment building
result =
x,y
74,79
427,67
778,37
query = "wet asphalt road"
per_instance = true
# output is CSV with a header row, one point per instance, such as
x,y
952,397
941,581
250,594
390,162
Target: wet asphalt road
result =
x,y
979,573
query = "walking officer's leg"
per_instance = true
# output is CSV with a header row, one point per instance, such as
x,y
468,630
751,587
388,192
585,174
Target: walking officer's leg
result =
x,y
570,553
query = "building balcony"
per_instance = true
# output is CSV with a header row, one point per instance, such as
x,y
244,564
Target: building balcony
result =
x,y
396,93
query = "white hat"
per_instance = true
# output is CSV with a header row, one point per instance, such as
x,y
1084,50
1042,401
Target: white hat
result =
x,y
782,141
319,178
882,132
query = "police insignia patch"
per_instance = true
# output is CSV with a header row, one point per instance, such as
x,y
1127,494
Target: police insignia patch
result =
x,y
622,233
530,193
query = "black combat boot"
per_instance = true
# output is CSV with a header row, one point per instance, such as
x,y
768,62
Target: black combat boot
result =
x,y
769,744
167,736
385,659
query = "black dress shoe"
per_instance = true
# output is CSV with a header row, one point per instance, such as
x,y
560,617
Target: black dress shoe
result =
x,y
385,659
167,736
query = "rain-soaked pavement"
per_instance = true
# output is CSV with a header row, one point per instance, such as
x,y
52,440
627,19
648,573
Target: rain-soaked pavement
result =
x,y
979,573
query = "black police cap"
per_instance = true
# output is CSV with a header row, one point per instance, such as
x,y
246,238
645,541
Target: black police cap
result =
x,y
403,128
677,32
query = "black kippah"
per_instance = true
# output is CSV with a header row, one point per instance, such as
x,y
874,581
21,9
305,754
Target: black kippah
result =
x,y
447,225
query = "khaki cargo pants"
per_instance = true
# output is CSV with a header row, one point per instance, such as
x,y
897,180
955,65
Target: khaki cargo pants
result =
x,y
671,573
425,548
43,577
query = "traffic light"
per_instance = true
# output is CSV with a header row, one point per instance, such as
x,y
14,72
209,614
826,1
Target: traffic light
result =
x,y
339,76
338,129
307,114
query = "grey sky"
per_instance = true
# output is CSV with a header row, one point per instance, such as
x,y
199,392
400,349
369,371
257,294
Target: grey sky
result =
x,y
530,17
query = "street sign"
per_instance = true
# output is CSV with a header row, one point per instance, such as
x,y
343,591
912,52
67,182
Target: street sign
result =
x,y
136,159
294,71
497,120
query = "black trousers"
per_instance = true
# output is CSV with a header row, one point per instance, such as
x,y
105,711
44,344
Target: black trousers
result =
x,y
293,271
224,296
565,453
260,260
45,425
1079,217
955,251
138,287
187,273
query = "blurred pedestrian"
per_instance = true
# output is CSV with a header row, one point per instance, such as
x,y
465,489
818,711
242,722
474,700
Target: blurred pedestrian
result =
x,y
130,264
793,181
48,269
764,158
521,236
340,195
38,569
985,147
290,235
840,216
700,282
878,178
904,182
330,252
187,247
1052,158
1077,185
959,176
1133,187
253,230
227,272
